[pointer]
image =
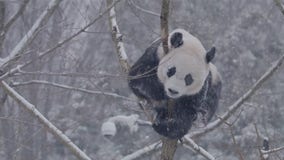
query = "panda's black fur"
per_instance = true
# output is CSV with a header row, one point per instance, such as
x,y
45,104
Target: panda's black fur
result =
x,y
144,83
186,106
143,79
185,110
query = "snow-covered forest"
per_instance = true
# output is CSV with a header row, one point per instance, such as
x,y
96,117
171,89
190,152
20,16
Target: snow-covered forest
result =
x,y
61,79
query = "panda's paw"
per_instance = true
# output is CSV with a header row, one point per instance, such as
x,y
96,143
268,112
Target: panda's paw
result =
x,y
169,128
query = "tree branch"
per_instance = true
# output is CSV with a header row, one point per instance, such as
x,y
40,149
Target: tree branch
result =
x,y
58,45
279,5
164,24
169,146
198,149
142,9
273,150
28,38
40,82
146,150
46,123
20,11
70,74
233,108
117,39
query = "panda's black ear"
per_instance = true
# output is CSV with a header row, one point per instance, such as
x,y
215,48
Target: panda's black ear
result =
x,y
176,40
210,54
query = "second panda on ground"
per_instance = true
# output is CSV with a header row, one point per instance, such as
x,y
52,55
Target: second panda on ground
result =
x,y
191,82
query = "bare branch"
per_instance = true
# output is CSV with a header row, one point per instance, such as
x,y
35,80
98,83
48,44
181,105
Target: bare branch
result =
x,y
169,145
142,9
233,108
71,88
198,149
280,6
58,45
72,75
20,11
146,150
164,24
46,123
28,38
237,147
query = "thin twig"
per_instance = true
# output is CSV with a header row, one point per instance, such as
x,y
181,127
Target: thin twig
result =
x,y
20,11
237,147
142,9
71,74
58,45
32,33
71,88
117,39
258,140
279,5
235,106
46,123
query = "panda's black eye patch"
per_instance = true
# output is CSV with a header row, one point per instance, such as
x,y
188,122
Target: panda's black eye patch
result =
x,y
188,79
176,40
171,72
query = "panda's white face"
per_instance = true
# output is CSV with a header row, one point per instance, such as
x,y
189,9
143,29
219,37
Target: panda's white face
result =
x,y
182,74
184,69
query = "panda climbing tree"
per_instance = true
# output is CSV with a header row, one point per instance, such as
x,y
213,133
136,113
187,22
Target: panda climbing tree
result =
x,y
185,76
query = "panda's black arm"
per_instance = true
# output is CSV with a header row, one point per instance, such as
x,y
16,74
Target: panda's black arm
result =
x,y
149,60
177,125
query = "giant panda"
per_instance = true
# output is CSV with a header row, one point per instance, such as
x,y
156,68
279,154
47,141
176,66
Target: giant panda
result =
x,y
192,84
143,80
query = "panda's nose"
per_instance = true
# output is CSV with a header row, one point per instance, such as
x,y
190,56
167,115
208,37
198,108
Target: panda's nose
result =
x,y
172,91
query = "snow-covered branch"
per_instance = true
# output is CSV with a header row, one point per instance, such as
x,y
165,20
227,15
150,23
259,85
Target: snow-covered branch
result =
x,y
120,51
189,143
31,34
45,122
146,150
41,82
233,108
273,150
198,149
117,39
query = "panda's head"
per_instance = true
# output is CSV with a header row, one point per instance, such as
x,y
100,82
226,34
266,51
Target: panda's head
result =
x,y
184,70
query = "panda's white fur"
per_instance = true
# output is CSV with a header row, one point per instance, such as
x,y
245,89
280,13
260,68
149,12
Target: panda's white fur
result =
x,y
188,58
192,83
143,78
184,64
190,43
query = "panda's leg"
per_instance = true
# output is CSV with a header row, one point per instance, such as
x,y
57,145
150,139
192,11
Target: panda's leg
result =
x,y
211,104
176,126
